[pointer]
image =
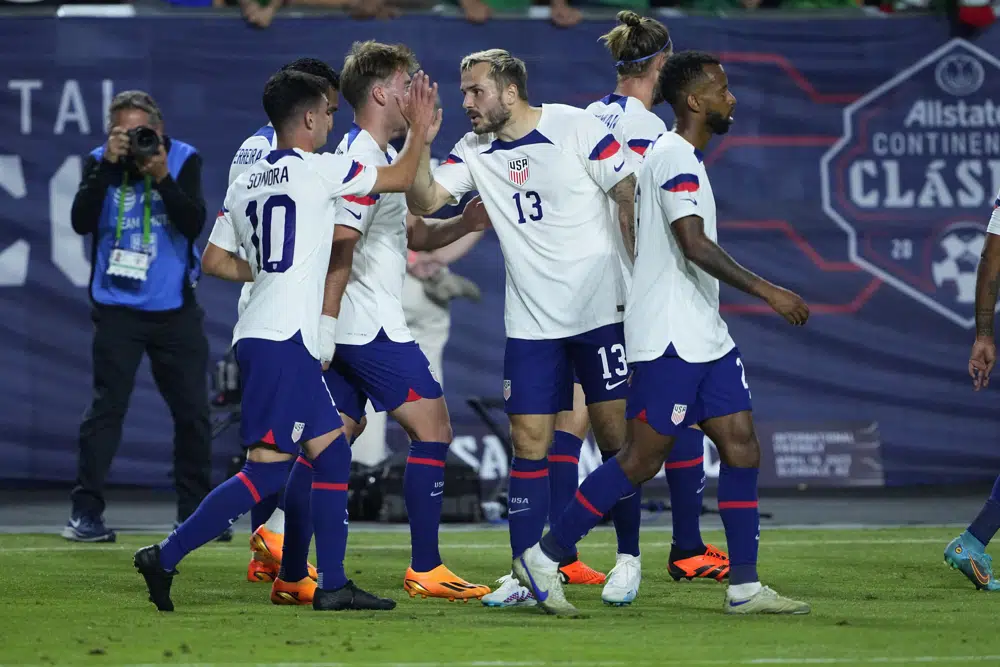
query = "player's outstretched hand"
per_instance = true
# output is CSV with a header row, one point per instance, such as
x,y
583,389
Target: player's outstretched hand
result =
x,y
981,361
474,215
789,305
419,102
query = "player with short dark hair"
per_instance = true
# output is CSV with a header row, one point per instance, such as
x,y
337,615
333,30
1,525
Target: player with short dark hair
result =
x,y
686,367
280,213
545,175
967,552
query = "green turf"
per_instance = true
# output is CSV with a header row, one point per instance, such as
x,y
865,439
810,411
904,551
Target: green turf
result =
x,y
877,596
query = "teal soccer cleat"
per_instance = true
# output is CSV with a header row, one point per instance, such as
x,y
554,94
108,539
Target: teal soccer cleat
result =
x,y
965,554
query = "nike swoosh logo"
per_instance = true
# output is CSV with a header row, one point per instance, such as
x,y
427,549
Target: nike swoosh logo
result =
x,y
627,497
516,511
733,603
75,523
436,493
690,200
610,386
619,167
540,595
981,577
356,215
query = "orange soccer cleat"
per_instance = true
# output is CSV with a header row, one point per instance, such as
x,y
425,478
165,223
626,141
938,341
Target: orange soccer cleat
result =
x,y
712,564
299,592
266,547
441,583
260,572
579,572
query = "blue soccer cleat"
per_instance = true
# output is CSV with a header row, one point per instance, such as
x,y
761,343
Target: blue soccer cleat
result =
x,y
965,554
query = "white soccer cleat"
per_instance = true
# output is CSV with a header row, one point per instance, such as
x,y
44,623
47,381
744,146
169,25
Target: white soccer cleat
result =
x,y
509,593
765,601
622,586
540,575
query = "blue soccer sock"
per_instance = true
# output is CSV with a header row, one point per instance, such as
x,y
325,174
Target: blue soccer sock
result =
x,y
597,495
741,519
224,505
564,472
685,471
298,522
263,510
423,491
986,525
527,502
331,472
626,515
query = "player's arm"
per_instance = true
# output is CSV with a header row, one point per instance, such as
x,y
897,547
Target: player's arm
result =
x,y
623,194
427,195
709,256
419,109
984,350
463,231
338,274
220,258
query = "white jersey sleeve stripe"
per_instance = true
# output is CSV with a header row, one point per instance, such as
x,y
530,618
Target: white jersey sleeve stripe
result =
x,y
994,226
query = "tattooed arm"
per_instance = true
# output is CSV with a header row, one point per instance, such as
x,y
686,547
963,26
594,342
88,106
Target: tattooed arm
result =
x,y
984,349
623,195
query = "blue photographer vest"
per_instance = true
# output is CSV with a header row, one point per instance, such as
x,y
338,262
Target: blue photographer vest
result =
x,y
175,261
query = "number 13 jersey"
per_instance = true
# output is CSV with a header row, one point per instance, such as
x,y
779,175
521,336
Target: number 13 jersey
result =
x,y
281,212
546,197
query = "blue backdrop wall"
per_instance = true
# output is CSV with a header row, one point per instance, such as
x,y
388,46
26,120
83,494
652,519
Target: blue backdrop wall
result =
x,y
860,172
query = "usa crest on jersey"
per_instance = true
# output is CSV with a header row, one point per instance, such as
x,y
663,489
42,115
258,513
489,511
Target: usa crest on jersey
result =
x,y
678,414
517,170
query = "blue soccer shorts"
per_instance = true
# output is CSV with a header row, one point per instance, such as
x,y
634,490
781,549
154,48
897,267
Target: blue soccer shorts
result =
x,y
383,371
285,399
671,394
539,374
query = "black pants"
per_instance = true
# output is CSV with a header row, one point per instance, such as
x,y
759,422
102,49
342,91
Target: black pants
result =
x,y
178,354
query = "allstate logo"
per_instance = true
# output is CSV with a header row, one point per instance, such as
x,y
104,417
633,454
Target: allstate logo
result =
x,y
960,74
913,177
130,198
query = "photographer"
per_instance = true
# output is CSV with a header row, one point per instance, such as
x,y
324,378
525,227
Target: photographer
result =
x,y
141,202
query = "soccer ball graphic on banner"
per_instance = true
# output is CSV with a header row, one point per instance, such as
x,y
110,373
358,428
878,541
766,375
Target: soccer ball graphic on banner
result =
x,y
956,258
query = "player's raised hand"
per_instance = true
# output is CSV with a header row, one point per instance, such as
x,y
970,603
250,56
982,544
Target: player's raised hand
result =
x,y
474,215
789,305
419,102
981,361
435,126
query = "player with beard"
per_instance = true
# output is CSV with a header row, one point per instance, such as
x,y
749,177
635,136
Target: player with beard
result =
x,y
546,176
686,367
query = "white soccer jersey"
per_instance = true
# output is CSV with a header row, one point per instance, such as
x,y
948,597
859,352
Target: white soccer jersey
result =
x,y
281,213
673,301
256,147
636,128
994,226
546,197
373,298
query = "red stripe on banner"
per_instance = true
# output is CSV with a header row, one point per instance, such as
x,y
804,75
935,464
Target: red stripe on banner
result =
x,y
529,474
563,458
424,462
304,461
673,465
738,505
586,504
329,486
250,487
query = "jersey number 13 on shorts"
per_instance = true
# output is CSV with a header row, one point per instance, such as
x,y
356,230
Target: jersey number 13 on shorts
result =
x,y
274,240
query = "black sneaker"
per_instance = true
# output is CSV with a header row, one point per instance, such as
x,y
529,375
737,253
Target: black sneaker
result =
x,y
88,529
158,580
350,597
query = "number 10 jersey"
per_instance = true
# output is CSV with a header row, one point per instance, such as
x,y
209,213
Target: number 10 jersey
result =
x,y
281,212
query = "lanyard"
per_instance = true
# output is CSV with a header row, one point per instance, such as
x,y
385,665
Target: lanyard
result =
x,y
146,210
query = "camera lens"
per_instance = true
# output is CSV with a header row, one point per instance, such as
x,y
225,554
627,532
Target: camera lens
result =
x,y
145,142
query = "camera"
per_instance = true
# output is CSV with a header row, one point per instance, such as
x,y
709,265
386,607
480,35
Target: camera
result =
x,y
144,142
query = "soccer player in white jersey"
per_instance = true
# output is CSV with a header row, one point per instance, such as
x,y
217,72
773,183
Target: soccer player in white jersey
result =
x,y
267,518
545,175
967,552
281,213
640,47
373,354
686,368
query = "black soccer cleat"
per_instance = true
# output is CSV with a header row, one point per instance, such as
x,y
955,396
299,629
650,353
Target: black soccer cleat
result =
x,y
158,580
350,597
